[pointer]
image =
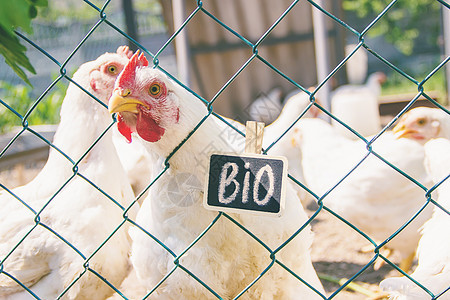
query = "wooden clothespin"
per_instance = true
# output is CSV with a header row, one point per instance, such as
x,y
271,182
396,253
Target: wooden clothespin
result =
x,y
254,132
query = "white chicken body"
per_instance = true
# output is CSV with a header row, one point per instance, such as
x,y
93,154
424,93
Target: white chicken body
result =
x,y
357,106
135,160
43,261
374,197
174,214
295,105
226,258
433,252
181,218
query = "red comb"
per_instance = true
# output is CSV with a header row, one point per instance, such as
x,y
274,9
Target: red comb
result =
x,y
142,60
128,72
125,51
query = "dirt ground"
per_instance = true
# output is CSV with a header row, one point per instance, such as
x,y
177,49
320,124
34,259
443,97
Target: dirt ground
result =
x,y
335,252
20,174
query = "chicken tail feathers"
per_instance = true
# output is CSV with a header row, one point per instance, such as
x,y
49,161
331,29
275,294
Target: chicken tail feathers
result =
x,y
402,288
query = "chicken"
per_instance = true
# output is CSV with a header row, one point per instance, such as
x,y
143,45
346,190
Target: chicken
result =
x,y
179,244
13,52
135,160
294,107
423,124
357,106
356,67
374,197
266,107
131,287
53,229
373,84
433,270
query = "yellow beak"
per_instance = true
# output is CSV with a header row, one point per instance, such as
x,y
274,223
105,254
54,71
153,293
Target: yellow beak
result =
x,y
400,130
118,103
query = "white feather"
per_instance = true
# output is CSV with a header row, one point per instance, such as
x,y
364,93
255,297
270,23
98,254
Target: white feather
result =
x,y
433,252
226,258
357,107
42,261
374,197
135,160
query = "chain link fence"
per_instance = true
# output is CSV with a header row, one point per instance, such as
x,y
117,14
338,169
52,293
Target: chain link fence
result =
x,y
34,222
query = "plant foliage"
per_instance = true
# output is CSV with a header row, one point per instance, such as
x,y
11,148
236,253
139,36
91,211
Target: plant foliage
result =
x,y
18,98
14,15
404,21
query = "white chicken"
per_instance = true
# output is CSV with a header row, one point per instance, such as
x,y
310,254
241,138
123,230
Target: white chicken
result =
x,y
356,67
357,106
134,158
423,124
136,161
51,240
294,106
433,270
183,243
270,108
374,197
131,286
284,146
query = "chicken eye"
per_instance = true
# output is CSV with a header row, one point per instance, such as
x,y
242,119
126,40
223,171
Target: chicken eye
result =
x,y
155,89
112,69
421,122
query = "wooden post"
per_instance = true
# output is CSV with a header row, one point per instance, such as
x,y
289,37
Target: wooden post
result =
x,y
254,133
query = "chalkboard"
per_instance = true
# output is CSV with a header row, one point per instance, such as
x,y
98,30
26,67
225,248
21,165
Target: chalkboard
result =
x,y
246,183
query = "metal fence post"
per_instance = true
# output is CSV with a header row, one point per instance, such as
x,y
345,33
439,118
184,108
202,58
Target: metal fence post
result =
x,y
321,46
182,44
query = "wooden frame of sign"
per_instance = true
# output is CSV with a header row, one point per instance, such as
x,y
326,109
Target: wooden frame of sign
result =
x,y
247,183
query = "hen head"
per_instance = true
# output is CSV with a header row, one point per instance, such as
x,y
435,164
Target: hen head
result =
x,y
96,77
102,72
145,99
379,77
423,124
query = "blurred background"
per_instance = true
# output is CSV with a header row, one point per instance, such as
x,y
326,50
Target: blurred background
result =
x,y
410,36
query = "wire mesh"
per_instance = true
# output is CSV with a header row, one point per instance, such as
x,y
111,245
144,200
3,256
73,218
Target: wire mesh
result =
x,y
320,199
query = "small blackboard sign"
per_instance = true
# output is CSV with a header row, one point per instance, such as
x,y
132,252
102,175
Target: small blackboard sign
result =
x,y
250,183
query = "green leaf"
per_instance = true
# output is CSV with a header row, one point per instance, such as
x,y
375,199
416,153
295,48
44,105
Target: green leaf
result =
x,y
32,13
15,14
402,23
42,3
16,69
14,54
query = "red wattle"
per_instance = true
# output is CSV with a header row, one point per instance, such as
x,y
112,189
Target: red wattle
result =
x,y
124,129
93,85
147,128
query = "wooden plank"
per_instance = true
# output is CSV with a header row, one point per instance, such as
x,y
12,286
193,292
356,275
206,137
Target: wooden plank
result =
x,y
217,54
435,95
391,105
